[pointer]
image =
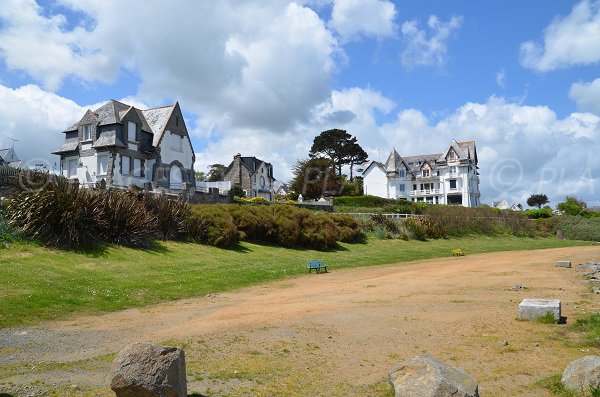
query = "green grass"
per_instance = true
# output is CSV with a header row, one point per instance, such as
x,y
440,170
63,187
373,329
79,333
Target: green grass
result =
x,y
547,318
591,326
38,283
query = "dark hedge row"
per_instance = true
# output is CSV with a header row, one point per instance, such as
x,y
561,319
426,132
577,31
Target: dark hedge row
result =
x,y
60,214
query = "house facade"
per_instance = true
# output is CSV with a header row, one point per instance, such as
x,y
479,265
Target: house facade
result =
x,y
450,177
9,158
253,175
122,146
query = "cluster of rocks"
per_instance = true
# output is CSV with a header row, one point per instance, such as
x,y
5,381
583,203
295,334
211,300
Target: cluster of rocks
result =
x,y
591,271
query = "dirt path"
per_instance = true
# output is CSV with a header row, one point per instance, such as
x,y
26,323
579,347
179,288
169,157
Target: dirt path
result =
x,y
362,320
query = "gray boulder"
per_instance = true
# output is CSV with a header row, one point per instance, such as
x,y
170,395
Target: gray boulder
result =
x,y
423,376
582,374
144,369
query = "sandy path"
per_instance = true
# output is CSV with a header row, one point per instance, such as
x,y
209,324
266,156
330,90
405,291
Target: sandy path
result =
x,y
456,309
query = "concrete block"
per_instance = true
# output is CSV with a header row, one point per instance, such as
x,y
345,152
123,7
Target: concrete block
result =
x,y
532,309
563,264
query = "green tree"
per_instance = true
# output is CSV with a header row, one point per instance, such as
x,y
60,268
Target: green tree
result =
x,y
216,172
572,206
314,178
339,147
237,191
537,200
200,176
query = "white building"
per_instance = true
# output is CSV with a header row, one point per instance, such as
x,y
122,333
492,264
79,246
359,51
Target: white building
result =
x,y
450,177
120,145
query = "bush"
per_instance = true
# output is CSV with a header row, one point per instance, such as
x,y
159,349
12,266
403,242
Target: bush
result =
x,y
579,228
125,219
171,215
211,225
539,213
58,214
389,205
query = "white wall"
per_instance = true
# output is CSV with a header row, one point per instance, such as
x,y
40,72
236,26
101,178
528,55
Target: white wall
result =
x,y
375,182
169,155
126,180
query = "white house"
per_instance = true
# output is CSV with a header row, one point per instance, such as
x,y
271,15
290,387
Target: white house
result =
x,y
9,158
450,177
122,145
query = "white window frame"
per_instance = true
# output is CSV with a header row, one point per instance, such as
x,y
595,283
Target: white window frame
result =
x,y
455,184
401,187
402,173
131,131
125,170
100,162
425,172
87,132
451,155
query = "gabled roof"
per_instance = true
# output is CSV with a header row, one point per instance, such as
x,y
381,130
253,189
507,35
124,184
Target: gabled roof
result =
x,y
469,148
70,145
157,119
250,163
393,162
374,164
456,148
4,152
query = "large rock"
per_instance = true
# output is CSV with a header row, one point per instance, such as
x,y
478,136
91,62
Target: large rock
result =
x,y
532,309
423,376
147,370
582,373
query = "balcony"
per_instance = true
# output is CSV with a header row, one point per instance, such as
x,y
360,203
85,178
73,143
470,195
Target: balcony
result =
x,y
426,192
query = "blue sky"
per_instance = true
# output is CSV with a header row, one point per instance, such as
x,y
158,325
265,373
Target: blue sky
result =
x,y
264,78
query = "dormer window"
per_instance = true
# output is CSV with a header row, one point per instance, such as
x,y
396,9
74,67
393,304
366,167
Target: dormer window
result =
x,y
425,173
451,155
401,173
87,132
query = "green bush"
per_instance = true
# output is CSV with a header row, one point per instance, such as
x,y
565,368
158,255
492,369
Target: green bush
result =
x,y
539,213
211,225
125,219
579,228
58,214
388,205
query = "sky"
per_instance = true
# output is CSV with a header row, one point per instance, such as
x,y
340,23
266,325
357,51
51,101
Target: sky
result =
x,y
264,77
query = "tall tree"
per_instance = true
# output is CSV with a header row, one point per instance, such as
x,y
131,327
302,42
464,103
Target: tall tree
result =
x,y
339,147
216,172
314,178
200,176
354,155
537,200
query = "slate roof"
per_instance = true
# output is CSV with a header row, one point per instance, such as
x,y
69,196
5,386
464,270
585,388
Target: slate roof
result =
x,y
69,146
108,138
4,152
112,112
157,119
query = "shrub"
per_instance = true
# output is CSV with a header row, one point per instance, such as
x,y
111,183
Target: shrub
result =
x,y
348,229
211,225
415,228
58,214
579,228
171,215
388,205
539,213
125,219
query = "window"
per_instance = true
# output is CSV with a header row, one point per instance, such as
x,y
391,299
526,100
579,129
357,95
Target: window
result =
x,y
125,165
451,155
131,131
72,168
402,187
401,173
452,183
137,167
262,181
425,172
87,132
176,142
102,164
453,170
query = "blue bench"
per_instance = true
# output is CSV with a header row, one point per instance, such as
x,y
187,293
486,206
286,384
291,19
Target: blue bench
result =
x,y
317,266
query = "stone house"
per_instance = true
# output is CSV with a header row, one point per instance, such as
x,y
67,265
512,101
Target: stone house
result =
x,y
253,175
122,145
450,177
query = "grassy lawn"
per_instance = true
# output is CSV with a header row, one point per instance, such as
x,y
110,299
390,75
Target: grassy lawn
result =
x,y
38,283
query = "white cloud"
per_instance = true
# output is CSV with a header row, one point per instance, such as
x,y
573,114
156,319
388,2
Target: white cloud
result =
x,y
261,63
568,41
501,78
371,18
424,49
586,95
36,118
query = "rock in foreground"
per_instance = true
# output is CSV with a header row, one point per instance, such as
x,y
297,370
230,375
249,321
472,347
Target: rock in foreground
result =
x,y
423,376
147,370
582,374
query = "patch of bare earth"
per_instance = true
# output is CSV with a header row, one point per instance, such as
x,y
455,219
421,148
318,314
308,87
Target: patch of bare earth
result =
x,y
345,328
